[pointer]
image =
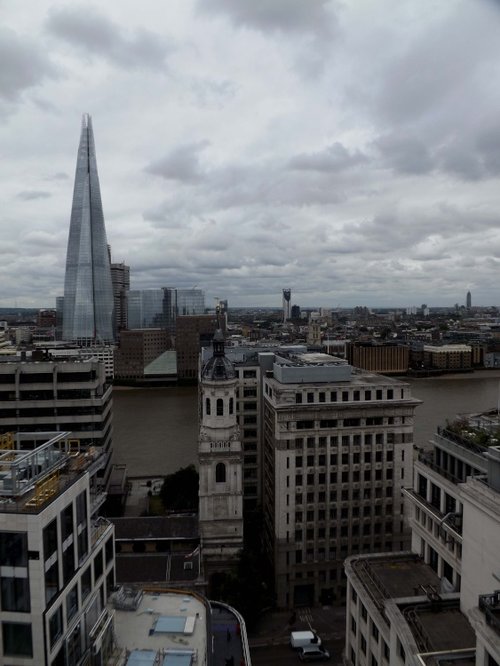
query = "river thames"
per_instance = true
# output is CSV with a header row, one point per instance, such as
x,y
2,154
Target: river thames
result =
x,y
156,430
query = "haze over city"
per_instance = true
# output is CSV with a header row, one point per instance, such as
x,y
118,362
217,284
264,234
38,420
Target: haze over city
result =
x,y
346,150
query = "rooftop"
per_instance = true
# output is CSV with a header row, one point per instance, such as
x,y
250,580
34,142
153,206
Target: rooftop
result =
x,y
32,473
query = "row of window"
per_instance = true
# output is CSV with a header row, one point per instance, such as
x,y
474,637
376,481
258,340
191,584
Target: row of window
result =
x,y
355,493
352,458
348,441
349,476
355,395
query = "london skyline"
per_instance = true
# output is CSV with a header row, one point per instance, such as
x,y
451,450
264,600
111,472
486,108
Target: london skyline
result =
x,y
348,151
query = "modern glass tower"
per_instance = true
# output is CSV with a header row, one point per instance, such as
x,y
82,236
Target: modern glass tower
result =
x,y
88,291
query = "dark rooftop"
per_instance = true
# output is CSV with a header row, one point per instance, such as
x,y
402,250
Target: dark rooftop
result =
x,y
179,526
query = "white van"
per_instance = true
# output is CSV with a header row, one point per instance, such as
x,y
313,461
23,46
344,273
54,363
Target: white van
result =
x,y
299,639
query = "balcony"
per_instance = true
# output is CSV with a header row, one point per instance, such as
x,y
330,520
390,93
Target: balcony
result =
x,y
489,604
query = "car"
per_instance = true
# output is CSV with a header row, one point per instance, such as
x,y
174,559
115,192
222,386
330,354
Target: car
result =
x,y
313,653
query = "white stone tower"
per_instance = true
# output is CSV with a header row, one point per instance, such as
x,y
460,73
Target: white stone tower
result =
x,y
220,464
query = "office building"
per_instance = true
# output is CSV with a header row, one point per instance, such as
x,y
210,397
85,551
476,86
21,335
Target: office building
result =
x,y
337,449
192,333
138,349
88,291
287,295
53,395
440,603
120,279
220,463
468,301
56,555
159,308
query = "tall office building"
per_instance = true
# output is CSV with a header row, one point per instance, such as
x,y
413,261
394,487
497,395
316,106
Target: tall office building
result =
x,y
88,291
159,308
468,300
287,295
120,279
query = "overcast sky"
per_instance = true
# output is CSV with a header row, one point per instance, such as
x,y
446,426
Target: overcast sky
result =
x,y
347,150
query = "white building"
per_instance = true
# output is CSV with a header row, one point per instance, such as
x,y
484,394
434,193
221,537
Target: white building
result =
x,y
56,557
441,603
337,448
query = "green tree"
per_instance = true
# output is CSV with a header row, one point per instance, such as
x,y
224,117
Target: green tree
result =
x,y
179,491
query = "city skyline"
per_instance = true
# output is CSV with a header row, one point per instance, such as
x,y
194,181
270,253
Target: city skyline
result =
x,y
244,147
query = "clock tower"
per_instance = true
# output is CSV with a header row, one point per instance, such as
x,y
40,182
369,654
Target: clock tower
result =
x,y
220,464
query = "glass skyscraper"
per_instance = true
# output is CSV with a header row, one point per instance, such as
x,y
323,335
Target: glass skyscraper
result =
x,y
88,291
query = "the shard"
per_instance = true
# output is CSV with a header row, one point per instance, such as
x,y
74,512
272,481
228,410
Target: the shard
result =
x,y
88,291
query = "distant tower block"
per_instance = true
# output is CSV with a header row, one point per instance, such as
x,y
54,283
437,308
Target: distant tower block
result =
x,y
468,300
287,295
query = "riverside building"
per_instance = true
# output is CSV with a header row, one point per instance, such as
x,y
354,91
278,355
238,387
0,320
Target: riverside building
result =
x,y
439,603
337,450
88,291
59,395
56,556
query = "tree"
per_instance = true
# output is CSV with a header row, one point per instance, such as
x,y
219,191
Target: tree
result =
x,y
179,491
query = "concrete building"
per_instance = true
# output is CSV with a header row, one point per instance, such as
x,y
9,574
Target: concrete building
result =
x,y
56,556
468,301
220,465
287,295
438,604
139,348
337,448
59,395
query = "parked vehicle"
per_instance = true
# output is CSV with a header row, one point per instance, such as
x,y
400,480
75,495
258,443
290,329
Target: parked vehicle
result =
x,y
299,639
313,653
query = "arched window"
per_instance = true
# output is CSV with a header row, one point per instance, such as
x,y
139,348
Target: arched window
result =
x,y
207,406
231,405
220,407
220,473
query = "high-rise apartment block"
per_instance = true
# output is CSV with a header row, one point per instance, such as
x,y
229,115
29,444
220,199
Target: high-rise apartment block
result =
x,y
440,603
56,556
59,395
88,291
337,450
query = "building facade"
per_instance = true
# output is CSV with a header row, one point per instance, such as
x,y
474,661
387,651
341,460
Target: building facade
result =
x,y
88,291
138,348
337,448
439,603
59,395
120,279
56,555
192,332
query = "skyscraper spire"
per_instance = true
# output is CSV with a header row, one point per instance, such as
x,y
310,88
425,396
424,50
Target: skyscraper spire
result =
x,y
88,291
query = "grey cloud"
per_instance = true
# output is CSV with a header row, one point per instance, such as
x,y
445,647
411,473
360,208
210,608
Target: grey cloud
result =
x,y
31,195
334,158
60,175
404,153
311,16
92,33
24,65
182,164
473,157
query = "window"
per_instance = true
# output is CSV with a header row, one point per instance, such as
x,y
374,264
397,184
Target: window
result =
x,y
67,522
69,563
231,405
86,583
375,633
298,398
72,603
249,374
17,639
207,406
322,396
401,652
15,594
220,473
363,645
387,652
13,549
98,566
220,407
55,626
364,613
50,539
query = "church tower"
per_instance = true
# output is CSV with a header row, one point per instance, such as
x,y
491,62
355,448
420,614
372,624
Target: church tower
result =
x,y
220,465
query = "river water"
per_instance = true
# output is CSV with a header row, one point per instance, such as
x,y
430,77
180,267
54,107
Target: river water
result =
x,y
156,430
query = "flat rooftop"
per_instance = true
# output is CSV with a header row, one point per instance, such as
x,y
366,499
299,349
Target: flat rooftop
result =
x,y
160,629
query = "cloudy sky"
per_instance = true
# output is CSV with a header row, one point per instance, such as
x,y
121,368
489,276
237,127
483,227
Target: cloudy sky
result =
x,y
349,150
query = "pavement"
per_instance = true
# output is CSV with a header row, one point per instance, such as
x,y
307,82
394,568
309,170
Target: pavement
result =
x,y
274,627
